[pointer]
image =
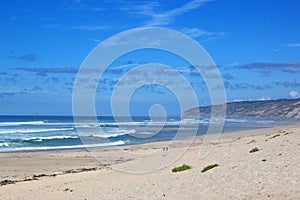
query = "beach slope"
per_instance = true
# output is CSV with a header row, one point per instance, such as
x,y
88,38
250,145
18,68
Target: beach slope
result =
x,y
254,164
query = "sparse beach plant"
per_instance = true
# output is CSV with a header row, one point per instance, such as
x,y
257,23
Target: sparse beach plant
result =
x,y
252,141
255,149
67,189
274,136
182,168
209,167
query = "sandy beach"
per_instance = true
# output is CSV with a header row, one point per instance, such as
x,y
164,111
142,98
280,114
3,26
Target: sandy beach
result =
x,y
272,172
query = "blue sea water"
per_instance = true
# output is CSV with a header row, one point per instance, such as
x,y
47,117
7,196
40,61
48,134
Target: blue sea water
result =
x,y
52,133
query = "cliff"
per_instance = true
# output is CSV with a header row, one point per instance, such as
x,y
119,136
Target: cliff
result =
x,y
271,109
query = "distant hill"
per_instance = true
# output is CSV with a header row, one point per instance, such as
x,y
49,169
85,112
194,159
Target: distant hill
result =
x,y
271,109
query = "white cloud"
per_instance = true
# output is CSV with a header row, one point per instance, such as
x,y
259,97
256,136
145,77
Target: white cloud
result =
x,y
294,94
159,17
276,50
167,17
291,67
144,8
238,100
89,28
293,45
196,32
264,98
84,5
96,40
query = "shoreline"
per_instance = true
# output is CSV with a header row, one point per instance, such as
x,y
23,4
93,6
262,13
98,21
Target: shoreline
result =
x,y
83,148
87,153
55,169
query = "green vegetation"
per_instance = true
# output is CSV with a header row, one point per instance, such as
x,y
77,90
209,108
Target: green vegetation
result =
x,y
255,149
274,136
67,189
181,168
282,131
285,132
252,141
209,167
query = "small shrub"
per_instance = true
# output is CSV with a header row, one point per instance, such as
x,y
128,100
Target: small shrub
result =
x,y
252,141
274,136
254,150
181,168
209,167
67,189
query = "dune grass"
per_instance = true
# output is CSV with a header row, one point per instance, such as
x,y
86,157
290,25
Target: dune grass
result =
x,y
182,168
255,149
274,136
209,167
68,190
252,141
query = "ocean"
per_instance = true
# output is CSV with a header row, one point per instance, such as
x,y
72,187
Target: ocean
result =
x,y
57,133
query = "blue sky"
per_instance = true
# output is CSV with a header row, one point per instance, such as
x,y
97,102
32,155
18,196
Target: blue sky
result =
x,y
255,44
